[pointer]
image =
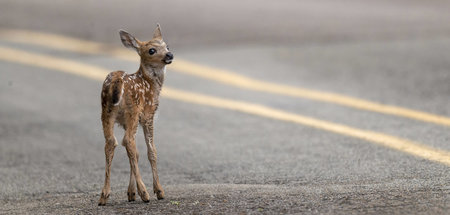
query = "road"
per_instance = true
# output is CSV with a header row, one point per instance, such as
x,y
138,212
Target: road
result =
x,y
313,107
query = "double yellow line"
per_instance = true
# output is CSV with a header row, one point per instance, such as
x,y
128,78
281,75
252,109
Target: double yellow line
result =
x,y
219,75
98,73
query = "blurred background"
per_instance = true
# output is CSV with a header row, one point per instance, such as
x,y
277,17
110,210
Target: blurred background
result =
x,y
217,161
234,23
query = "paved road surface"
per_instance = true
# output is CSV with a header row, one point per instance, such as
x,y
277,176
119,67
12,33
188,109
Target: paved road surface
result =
x,y
218,160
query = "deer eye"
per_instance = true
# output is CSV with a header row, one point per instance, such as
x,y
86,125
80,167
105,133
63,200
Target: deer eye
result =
x,y
152,51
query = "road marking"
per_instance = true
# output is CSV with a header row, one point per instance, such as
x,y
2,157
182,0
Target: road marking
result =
x,y
219,75
230,78
99,73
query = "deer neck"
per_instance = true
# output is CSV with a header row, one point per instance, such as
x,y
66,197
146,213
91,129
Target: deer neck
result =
x,y
154,75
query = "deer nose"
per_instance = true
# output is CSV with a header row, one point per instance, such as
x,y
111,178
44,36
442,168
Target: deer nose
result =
x,y
169,56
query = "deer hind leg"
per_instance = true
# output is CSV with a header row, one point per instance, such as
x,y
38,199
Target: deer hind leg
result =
x,y
152,156
110,145
130,144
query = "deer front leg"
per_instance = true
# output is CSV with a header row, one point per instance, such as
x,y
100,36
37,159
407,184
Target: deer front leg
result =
x,y
152,156
130,144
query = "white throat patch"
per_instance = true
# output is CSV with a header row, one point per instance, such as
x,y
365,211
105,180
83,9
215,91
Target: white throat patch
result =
x,y
150,71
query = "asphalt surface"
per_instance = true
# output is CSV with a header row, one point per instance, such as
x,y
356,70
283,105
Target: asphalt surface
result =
x,y
219,161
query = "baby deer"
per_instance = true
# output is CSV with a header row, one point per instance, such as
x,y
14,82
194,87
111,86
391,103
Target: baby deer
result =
x,y
130,100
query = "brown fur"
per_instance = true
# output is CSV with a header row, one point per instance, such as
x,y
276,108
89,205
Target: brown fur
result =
x,y
129,100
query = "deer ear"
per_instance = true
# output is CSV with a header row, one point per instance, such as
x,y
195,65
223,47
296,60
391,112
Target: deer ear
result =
x,y
129,41
157,34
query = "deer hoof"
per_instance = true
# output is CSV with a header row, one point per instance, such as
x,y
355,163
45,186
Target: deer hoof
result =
x,y
131,196
103,198
145,197
160,194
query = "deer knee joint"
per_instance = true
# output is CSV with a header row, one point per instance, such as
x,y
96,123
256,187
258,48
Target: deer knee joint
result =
x,y
112,142
126,141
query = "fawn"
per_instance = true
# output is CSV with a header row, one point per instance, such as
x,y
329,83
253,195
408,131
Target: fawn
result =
x,y
132,99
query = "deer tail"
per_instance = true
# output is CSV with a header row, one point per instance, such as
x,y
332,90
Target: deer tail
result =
x,y
112,91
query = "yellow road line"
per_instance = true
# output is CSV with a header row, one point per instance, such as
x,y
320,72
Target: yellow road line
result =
x,y
219,75
98,73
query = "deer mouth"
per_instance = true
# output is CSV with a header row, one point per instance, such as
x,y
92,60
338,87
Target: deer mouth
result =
x,y
167,61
